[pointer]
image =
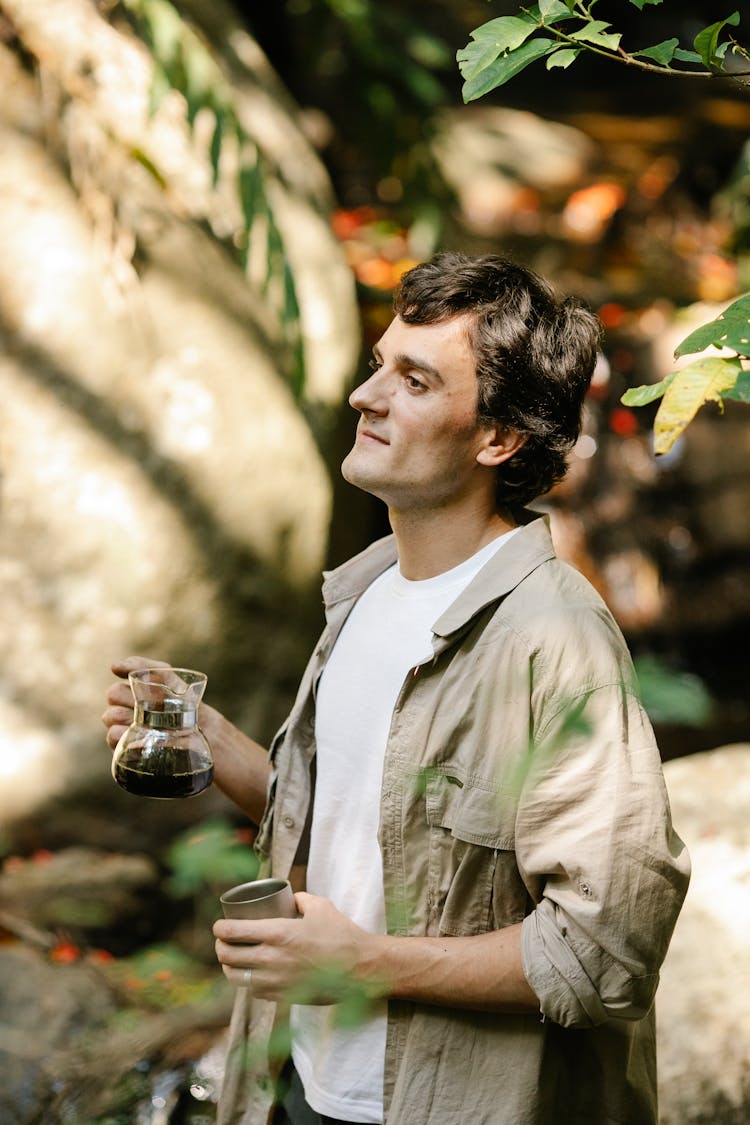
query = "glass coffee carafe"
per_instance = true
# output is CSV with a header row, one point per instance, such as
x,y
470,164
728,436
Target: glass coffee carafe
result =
x,y
164,753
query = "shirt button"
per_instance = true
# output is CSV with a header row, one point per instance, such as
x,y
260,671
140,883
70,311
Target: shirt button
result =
x,y
289,821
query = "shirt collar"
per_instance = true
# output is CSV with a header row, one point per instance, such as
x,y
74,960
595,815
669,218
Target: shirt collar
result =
x,y
524,552
515,560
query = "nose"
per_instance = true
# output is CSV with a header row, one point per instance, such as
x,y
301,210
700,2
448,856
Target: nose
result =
x,y
368,397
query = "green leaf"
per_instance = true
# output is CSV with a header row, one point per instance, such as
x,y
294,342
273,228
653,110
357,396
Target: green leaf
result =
x,y
502,70
595,32
705,380
731,329
553,10
687,56
501,36
707,40
663,53
640,4
740,392
648,392
563,58
506,32
475,57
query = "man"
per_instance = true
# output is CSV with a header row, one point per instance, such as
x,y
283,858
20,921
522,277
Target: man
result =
x,y
467,776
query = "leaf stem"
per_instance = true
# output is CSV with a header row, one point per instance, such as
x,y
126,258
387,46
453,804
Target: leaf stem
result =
x,y
622,56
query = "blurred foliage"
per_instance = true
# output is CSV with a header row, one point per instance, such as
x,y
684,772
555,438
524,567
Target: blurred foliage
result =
x,y
379,72
356,1001
708,379
184,61
560,31
672,697
213,853
164,977
732,203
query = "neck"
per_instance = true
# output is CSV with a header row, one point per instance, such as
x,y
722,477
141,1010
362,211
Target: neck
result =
x,y
430,542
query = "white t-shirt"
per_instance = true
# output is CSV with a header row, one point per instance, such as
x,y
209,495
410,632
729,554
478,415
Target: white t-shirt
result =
x,y
387,633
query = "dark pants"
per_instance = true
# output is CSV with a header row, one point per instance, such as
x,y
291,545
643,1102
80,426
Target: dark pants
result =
x,y
293,1109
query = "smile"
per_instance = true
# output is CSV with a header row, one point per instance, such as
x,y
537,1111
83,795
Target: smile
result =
x,y
371,437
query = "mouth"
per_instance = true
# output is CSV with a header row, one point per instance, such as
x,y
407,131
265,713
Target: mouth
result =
x,y
370,436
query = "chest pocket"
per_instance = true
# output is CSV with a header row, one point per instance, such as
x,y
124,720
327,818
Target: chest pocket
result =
x,y
473,883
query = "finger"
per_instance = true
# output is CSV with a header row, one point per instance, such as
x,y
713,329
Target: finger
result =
x,y
133,663
243,978
117,720
243,931
236,959
237,956
117,716
236,930
113,736
303,901
119,695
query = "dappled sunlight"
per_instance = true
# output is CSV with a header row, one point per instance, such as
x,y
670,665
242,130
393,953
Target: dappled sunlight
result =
x,y
33,766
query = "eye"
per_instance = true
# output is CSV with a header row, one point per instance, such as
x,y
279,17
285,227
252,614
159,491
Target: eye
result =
x,y
413,383
374,364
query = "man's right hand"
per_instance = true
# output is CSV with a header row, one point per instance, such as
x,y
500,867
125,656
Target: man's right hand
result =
x,y
118,714
240,764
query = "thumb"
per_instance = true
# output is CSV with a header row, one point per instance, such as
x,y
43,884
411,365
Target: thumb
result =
x,y
303,901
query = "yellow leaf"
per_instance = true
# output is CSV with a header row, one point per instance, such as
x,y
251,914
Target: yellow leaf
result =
x,y
702,381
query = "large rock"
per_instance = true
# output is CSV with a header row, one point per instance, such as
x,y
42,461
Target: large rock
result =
x,y
162,489
703,1015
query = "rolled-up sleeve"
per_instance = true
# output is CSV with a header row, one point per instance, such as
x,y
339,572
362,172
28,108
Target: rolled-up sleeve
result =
x,y
596,848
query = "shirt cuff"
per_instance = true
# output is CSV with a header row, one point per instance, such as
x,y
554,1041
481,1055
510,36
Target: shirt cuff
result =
x,y
566,994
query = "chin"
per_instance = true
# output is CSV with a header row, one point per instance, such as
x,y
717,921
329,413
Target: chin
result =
x,y
351,471
358,477
347,470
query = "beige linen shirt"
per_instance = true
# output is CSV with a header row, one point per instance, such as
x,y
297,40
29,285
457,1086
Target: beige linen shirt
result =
x,y
521,783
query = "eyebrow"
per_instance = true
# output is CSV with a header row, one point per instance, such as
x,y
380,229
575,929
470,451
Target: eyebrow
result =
x,y
402,359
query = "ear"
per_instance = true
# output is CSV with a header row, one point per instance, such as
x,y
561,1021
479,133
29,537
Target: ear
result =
x,y
498,445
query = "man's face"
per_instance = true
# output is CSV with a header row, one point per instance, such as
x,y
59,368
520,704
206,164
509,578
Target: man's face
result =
x,y
418,437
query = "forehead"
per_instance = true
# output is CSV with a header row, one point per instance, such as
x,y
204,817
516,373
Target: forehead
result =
x,y
444,346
